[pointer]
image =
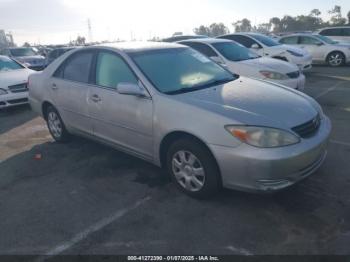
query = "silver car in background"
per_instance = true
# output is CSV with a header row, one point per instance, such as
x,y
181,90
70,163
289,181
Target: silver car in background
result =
x,y
174,107
322,48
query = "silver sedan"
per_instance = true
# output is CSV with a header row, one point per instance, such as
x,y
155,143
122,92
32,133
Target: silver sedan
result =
x,y
174,107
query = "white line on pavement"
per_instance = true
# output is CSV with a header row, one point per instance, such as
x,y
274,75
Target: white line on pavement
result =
x,y
90,230
329,90
340,143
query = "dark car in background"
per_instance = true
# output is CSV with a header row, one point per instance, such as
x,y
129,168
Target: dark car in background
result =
x,y
55,53
27,56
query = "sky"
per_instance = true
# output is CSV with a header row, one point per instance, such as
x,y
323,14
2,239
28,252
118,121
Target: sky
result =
x,y
59,21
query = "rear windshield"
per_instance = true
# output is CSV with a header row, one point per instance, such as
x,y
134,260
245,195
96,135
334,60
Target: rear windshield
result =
x,y
22,52
7,64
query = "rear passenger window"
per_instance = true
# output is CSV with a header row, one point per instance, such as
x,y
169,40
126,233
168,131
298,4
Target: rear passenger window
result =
x,y
112,70
76,67
243,40
346,31
293,40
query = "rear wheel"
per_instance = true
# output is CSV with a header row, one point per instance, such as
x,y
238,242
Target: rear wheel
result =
x,y
336,59
193,168
56,126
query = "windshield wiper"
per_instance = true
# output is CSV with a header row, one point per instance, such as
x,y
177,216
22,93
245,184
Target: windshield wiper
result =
x,y
202,86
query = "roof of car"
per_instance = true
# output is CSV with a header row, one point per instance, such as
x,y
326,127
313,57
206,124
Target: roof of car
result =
x,y
299,34
140,46
206,40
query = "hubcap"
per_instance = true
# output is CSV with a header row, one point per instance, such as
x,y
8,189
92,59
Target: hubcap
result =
x,y
55,125
335,60
188,171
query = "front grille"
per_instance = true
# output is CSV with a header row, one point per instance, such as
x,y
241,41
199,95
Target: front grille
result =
x,y
295,74
18,88
18,101
309,128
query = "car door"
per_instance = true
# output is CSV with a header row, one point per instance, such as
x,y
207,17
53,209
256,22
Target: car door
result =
x,y
290,40
124,120
314,46
69,89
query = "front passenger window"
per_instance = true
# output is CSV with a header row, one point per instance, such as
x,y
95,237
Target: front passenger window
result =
x,y
112,70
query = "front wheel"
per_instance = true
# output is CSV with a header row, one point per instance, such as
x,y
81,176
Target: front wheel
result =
x,y
336,59
193,168
56,126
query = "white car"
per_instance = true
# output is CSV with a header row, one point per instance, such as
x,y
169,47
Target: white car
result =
x,y
240,60
322,48
13,82
266,46
341,33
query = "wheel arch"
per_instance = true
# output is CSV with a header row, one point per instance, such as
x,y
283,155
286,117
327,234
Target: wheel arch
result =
x,y
45,105
176,135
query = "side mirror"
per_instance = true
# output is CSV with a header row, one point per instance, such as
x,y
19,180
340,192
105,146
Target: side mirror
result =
x,y
217,60
255,46
319,44
131,89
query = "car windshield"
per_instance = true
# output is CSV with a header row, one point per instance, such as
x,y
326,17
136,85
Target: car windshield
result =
x,y
235,52
7,64
265,40
180,70
22,52
326,39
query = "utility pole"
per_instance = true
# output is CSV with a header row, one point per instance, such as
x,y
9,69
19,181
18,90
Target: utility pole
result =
x,y
89,30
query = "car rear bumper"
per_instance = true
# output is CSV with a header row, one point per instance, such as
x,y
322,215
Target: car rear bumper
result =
x,y
12,99
267,170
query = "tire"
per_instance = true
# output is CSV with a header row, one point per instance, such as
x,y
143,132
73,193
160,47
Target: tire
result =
x,y
336,59
56,126
193,169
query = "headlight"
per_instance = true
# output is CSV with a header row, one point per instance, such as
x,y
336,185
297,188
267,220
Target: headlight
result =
x,y
295,53
3,92
274,75
263,137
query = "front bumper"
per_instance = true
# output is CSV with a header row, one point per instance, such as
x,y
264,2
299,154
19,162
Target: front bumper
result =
x,y
272,169
13,99
295,83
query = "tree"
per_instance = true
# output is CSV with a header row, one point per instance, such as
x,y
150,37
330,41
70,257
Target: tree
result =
x,y
213,30
243,25
337,18
218,29
202,30
348,15
263,28
315,12
276,22
26,44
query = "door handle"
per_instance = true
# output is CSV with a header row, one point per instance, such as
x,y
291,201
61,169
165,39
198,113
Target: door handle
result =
x,y
54,86
96,98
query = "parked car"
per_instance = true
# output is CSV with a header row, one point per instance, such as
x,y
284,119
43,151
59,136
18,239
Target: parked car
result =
x,y
55,53
322,48
26,56
13,83
174,39
240,60
341,34
174,107
266,46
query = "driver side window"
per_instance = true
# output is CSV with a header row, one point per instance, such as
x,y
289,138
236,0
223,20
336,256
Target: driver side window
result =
x,y
112,70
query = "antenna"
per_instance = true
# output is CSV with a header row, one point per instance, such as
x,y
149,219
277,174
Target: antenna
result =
x,y
90,30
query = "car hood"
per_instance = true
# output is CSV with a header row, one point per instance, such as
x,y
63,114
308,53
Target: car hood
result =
x,y
14,77
266,63
254,102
